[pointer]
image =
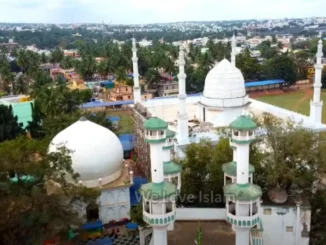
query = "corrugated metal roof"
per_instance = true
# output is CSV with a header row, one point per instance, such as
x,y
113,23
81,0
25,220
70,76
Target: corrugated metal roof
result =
x,y
102,104
262,83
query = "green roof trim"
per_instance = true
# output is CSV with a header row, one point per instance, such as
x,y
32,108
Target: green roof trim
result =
x,y
242,142
243,123
158,191
170,133
155,123
230,168
154,141
243,192
171,168
168,147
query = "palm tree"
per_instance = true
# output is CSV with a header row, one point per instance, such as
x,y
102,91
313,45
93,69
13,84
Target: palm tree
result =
x,y
122,75
152,77
49,100
20,85
41,79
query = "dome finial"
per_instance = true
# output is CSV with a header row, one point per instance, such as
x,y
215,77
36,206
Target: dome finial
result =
x,y
83,119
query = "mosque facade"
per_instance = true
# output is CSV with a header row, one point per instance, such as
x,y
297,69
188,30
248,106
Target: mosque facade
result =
x,y
97,156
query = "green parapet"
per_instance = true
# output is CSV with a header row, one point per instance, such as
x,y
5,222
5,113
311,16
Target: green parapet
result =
x,y
155,123
243,123
230,169
170,147
171,168
243,192
158,191
155,141
170,133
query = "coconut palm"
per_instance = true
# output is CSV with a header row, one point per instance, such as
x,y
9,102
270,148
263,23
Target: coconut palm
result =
x,y
20,85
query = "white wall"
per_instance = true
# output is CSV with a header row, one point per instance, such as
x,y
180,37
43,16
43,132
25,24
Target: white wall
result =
x,y
274,226
114,204
200,214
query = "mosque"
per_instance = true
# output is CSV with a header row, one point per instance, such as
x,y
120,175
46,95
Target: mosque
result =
x,y
97,156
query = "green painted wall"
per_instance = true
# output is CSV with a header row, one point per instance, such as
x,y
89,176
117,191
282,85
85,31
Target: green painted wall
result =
x,y
23,110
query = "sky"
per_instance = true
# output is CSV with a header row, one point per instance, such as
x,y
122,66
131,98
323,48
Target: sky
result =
x,y
154,11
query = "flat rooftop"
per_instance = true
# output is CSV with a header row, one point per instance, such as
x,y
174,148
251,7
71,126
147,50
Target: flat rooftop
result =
x,y
214,232
13,98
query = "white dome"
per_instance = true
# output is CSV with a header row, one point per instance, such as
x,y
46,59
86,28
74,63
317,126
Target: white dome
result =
x,y
96,151
224,86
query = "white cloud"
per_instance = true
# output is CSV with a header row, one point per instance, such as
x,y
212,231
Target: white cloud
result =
x,y
145,11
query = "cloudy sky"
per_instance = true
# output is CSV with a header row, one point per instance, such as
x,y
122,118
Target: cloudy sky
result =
x,y
154,11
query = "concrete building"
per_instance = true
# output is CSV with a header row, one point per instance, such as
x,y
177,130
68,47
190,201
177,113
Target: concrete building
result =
x,y
167,88
21,107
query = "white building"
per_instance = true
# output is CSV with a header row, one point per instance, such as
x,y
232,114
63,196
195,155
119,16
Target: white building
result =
x,y
97,156
278,218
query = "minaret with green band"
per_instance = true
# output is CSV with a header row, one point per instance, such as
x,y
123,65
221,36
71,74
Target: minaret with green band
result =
x,y
242,197
158,196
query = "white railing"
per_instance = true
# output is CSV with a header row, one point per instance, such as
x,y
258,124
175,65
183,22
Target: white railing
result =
x,y
243,221
200,214
287,114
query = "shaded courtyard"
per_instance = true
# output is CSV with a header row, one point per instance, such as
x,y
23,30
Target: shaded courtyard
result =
x,y
185,233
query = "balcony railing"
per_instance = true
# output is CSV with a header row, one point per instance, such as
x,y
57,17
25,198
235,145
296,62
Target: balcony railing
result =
x,y
243,221
159,219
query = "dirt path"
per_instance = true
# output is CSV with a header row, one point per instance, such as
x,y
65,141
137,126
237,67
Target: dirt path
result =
x,y
308,94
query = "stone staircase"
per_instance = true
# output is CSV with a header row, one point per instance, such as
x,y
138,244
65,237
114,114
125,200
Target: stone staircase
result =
x,y
256,234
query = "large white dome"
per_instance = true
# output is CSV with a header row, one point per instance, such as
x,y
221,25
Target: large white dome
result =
x,y
224,86
96,151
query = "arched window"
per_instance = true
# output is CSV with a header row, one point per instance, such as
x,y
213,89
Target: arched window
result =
x,y
92,212
168,207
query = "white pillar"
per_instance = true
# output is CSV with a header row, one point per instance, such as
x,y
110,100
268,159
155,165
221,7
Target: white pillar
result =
x,y
156,154
242,163
160,236
233,52
182,131
242,236
298,226
234,154
316,105
166,155
137,95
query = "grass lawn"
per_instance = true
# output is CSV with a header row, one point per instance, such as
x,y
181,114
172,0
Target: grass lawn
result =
x,y
126,123
294,101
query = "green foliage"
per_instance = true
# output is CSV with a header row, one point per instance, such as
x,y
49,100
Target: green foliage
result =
x,y
136,214
9,126
323,78
250,67
57,56
281,67
36,209
202,173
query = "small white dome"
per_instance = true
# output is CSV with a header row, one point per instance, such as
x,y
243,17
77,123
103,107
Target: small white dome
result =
x,y
96,151
224,81
224,86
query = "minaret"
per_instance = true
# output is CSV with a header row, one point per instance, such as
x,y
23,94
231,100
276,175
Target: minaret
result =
x,y
171,169
316,105
137,95
182,131
242,197
233,52
158,196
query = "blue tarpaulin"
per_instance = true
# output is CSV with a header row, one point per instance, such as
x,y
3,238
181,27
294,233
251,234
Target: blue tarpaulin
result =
x,y
101,241
132,226
127,141
93,225
263,83
113,119
102,104
135,197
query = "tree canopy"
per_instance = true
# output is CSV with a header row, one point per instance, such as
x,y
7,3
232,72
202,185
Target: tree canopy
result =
x,y
33,208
